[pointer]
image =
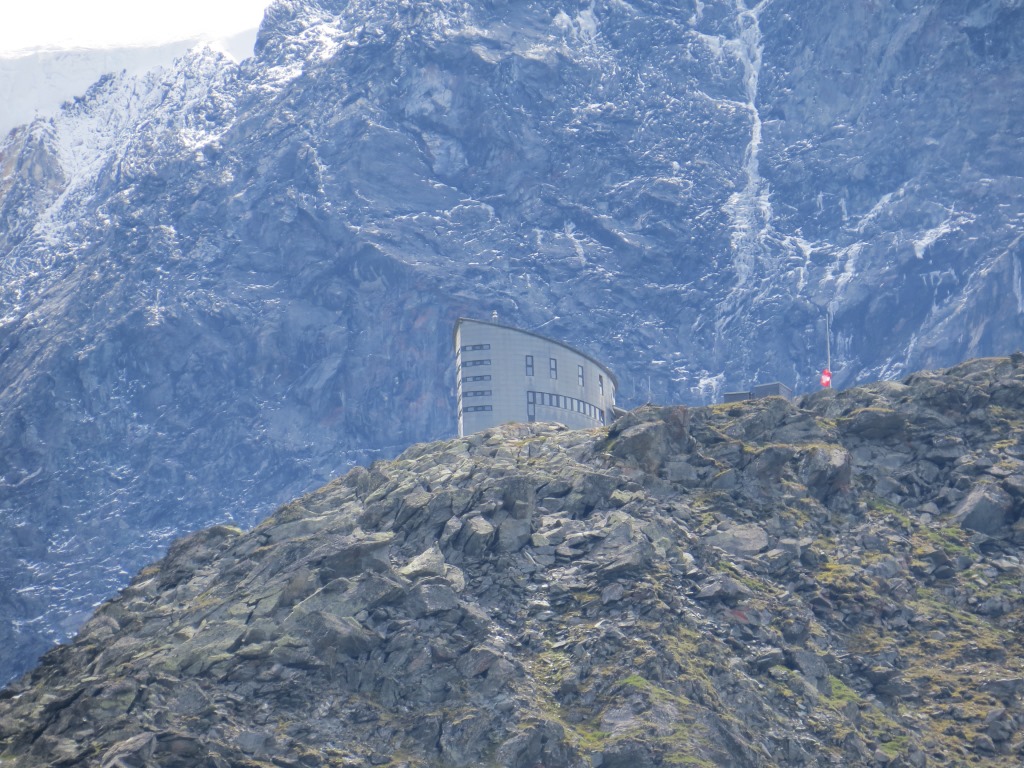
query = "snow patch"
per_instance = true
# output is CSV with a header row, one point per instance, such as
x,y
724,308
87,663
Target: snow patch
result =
x,y
322,39
848,256
36,83
1018,289
880,207
180,109
749,209
709,387
805,248
583,27
930,236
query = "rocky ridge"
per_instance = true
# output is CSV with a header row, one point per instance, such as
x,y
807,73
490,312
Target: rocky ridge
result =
x,y
835,580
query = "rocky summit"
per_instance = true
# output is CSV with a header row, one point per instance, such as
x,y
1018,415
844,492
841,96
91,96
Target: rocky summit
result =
x,y
830,581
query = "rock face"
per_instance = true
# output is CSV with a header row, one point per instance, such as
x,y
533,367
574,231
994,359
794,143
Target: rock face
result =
x,y
222,284
831,581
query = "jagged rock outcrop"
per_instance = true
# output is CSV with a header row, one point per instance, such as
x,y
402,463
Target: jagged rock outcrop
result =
x,y
830,581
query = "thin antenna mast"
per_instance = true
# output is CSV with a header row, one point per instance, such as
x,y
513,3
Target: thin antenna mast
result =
x,y
828,339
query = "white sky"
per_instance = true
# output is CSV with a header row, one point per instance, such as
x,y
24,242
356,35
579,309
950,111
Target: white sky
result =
x,y
57,24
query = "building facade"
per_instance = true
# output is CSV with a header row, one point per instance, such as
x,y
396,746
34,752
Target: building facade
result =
x,y
775,389
505,374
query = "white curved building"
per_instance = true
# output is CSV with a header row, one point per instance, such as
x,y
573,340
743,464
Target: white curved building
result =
x,y
505,374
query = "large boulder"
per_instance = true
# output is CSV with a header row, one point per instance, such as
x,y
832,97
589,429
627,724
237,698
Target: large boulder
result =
x,y
987,509
744,540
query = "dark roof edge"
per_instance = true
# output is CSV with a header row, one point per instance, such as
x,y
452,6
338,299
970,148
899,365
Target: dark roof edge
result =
x,y
591,358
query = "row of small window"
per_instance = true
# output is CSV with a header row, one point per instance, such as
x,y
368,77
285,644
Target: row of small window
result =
x,y
476,408
551,400
474,347
530,368
477,393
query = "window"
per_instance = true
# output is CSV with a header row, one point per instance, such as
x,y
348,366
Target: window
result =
x,y
485,377
579,374
477,393
529,365
600,383
573,404
471,363
474,347
531,412
553,368
476,408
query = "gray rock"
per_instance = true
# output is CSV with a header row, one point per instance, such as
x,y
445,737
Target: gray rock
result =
x,y
744,540
1004,689
477,661
612,593
352,555
476,535
428,563
724,588
454,576
339,635
134,750
984,744
513,534
253,742
811,666
433,597
987,509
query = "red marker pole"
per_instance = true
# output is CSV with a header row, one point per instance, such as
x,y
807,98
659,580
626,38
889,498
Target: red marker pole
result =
x,y
826,378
